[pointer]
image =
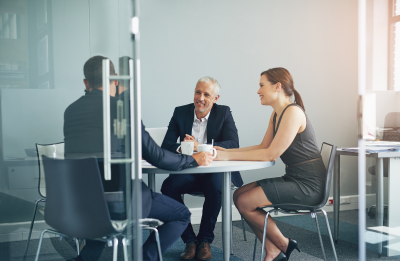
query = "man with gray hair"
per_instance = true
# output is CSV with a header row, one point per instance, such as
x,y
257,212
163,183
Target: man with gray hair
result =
x,y
201,122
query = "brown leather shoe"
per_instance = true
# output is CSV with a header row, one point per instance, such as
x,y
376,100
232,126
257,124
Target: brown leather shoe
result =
x,y
190,251
204,251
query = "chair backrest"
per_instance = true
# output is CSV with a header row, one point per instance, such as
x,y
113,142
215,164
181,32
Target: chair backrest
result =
x,y
157,134
328,152
392,120
55,151
75,203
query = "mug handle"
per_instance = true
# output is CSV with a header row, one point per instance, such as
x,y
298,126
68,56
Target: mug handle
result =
x,y
214,153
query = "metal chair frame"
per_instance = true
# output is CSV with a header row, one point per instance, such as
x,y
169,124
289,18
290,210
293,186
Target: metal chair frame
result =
x,y
80,224
54,232
41,191
58,172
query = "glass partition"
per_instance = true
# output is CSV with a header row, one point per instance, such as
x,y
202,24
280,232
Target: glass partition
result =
x,y
379,125
44,45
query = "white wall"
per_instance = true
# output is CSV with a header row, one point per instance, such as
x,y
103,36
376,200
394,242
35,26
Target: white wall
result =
x,y
82,29
234,41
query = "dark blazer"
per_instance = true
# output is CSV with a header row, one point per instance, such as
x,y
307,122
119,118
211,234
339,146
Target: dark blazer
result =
x,y
220,127
83,136
83,125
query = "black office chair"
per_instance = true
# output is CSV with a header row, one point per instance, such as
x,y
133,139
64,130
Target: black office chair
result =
x,y
53,150
75,203
328,152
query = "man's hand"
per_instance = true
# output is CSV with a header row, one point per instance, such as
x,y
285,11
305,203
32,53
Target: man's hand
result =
x,y
191,138
203,158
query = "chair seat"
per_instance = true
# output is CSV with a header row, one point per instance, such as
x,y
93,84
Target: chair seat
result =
x,y
151,222
293,207
119,225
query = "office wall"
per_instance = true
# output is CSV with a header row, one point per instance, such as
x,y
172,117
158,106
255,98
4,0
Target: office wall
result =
x,y
235,41
82,29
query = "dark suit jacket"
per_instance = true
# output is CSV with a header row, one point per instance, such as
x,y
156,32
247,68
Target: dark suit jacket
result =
x,y
83,125
83,136
220,127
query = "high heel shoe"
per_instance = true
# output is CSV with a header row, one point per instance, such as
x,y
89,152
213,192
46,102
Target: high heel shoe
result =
x,y
281,257
292,245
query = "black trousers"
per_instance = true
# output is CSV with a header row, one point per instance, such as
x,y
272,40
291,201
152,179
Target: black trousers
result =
x,y
210,185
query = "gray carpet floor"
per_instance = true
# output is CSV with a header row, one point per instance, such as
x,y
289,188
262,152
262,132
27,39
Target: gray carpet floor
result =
x,y
301,228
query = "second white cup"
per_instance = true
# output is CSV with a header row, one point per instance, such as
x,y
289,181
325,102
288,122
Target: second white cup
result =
x,y
208,148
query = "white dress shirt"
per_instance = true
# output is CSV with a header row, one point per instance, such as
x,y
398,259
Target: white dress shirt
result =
x,y
199,129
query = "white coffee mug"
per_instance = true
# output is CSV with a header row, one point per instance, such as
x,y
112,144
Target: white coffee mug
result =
x,y
187,147
208,148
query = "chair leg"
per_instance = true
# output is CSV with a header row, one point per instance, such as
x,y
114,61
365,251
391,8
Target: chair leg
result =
x,y
40,244
41,239
314,215
244,231
231,231
255,247
330,234
33,221
77,246
157,240
115,249
264,235
124,244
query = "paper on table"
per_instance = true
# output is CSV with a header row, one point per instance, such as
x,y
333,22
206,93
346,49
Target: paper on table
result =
x,y
145,163
382,143
373,149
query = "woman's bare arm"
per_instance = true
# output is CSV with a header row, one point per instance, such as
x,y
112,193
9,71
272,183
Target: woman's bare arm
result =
x,y
293,122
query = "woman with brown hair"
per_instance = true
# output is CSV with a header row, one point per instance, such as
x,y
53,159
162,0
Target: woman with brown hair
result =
x,y
292,138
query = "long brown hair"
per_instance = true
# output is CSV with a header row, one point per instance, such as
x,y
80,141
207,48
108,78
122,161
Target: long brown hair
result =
x,y
283,76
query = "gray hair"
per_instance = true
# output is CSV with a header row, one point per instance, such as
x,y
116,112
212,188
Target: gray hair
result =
x,y
209,79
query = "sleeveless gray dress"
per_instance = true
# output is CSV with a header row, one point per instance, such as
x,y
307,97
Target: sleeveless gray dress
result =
x,y
303,183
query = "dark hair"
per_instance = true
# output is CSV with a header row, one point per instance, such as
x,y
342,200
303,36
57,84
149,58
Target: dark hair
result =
x,y
283,76
94,73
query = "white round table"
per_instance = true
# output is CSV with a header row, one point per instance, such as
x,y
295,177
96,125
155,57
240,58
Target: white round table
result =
x,y
226,167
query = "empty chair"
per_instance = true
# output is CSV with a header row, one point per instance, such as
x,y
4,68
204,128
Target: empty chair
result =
x,y
328,152
53,150
157,134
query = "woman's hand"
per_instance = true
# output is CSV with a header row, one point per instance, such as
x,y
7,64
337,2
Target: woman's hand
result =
x,y
219,148
222,155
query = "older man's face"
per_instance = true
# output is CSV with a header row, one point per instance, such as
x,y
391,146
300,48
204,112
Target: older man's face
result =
x,y
204,97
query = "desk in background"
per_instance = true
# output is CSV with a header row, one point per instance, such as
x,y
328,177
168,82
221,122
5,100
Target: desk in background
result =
x,y
394,193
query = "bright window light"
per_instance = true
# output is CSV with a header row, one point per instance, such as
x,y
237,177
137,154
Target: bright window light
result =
x,y
135,25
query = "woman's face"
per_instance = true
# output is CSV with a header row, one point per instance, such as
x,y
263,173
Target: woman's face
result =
x,y
267,91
